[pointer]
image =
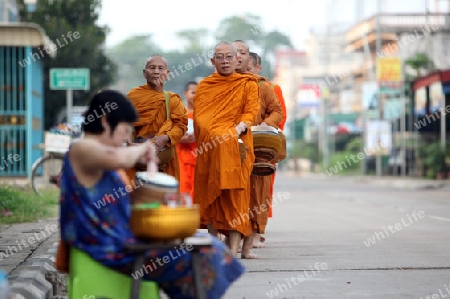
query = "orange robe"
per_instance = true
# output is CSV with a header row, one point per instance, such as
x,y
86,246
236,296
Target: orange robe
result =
x,y
151,107
271,113
186,156
222,181
279,94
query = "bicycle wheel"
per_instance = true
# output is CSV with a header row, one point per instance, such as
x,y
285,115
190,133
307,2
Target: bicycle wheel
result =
x,y
45,171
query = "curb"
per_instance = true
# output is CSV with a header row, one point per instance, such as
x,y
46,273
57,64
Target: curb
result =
x,y
37,278
390,182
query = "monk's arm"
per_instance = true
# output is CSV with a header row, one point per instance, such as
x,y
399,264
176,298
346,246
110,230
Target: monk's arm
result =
x,y
251,106
179,118
274,113
279,94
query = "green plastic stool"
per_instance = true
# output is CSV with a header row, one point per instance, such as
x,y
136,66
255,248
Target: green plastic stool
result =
x,y
89,279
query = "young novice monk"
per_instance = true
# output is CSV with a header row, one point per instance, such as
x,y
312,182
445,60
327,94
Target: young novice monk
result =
x,y
90,173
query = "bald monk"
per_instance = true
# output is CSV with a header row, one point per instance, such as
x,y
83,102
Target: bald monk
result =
x,y
256,67
270,114
225,106
149,101
186,147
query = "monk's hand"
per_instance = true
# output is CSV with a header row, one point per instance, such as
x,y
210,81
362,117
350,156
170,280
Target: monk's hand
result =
x,y
264,124
162,79
188,138
161,142
240,128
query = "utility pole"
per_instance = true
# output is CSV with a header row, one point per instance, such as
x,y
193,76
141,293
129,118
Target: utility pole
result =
x,y
380,115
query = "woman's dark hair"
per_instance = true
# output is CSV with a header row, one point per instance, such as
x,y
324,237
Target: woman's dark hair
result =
x,y
112,104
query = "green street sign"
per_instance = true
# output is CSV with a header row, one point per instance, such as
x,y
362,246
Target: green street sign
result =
x,y
64,79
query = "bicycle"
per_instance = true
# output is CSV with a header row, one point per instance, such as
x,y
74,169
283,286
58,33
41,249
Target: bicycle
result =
x,y
46,170
51,163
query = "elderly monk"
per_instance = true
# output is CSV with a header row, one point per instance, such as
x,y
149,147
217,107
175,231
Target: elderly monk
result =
x,y
270,114
256,67
225,106
186,147
154,123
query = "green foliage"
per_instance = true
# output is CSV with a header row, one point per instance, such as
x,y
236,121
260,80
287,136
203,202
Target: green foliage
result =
x,y
244,27
433,159
193,61
354,145
57,18
419,62
343,160
194,39
26,205
249,29
132,53
306,150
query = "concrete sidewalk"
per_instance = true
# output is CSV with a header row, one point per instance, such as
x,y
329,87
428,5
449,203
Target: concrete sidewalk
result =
x,y
27,253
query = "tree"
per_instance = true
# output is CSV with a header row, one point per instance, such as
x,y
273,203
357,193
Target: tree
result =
x,y
244,27
57,18
248,28
194,39
420,63
130,55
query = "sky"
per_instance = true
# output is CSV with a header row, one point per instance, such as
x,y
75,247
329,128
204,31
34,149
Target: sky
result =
x,y
294,18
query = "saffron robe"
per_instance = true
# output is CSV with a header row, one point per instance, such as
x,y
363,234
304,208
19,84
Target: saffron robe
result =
x,y
187,159
280,97
151,107
271,113
222,181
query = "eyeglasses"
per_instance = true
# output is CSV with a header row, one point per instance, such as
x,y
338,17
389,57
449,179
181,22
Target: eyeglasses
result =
x,y
222,58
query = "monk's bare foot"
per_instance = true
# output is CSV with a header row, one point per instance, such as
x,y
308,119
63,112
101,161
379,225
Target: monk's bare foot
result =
x,y
235,238
249,255
246,252
222,238
258,244
212,231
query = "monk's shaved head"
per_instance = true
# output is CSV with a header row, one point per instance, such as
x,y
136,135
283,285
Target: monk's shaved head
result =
x,y
153,56
242,56
225,43
224,59
156,71
256,59
242,42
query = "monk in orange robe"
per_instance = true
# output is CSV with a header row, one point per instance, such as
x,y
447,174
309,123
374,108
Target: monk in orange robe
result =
x,y
186,147
225,107
281,125
269,114
256,67
149,101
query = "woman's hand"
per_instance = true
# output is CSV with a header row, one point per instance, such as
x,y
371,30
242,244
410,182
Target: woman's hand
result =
x,y
148,153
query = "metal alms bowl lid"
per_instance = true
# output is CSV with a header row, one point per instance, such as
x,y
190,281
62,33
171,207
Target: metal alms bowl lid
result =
x,y
264,129
158,179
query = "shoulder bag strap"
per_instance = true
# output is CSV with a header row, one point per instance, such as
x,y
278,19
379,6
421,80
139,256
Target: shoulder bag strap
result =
x,y
167,96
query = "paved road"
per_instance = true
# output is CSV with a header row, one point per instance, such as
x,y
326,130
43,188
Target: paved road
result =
x,y
318,247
